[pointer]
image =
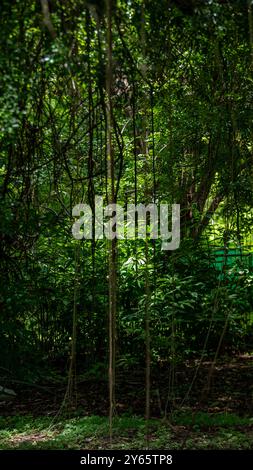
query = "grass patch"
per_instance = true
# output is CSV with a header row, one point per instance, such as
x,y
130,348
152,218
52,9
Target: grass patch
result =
x,y
208,431
211,419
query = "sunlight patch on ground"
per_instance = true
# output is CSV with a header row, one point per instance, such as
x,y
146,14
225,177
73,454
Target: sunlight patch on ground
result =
x,y
31,438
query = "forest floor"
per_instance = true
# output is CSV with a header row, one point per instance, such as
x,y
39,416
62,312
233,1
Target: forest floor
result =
x,y
222,431
196,417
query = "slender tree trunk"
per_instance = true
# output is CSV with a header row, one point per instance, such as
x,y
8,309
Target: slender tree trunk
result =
x,y
147,280
71,387
112,246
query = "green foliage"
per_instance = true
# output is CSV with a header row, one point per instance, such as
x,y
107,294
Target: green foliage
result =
x,y
182,110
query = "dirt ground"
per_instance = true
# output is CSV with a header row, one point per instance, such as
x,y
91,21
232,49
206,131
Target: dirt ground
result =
x,y
228,388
